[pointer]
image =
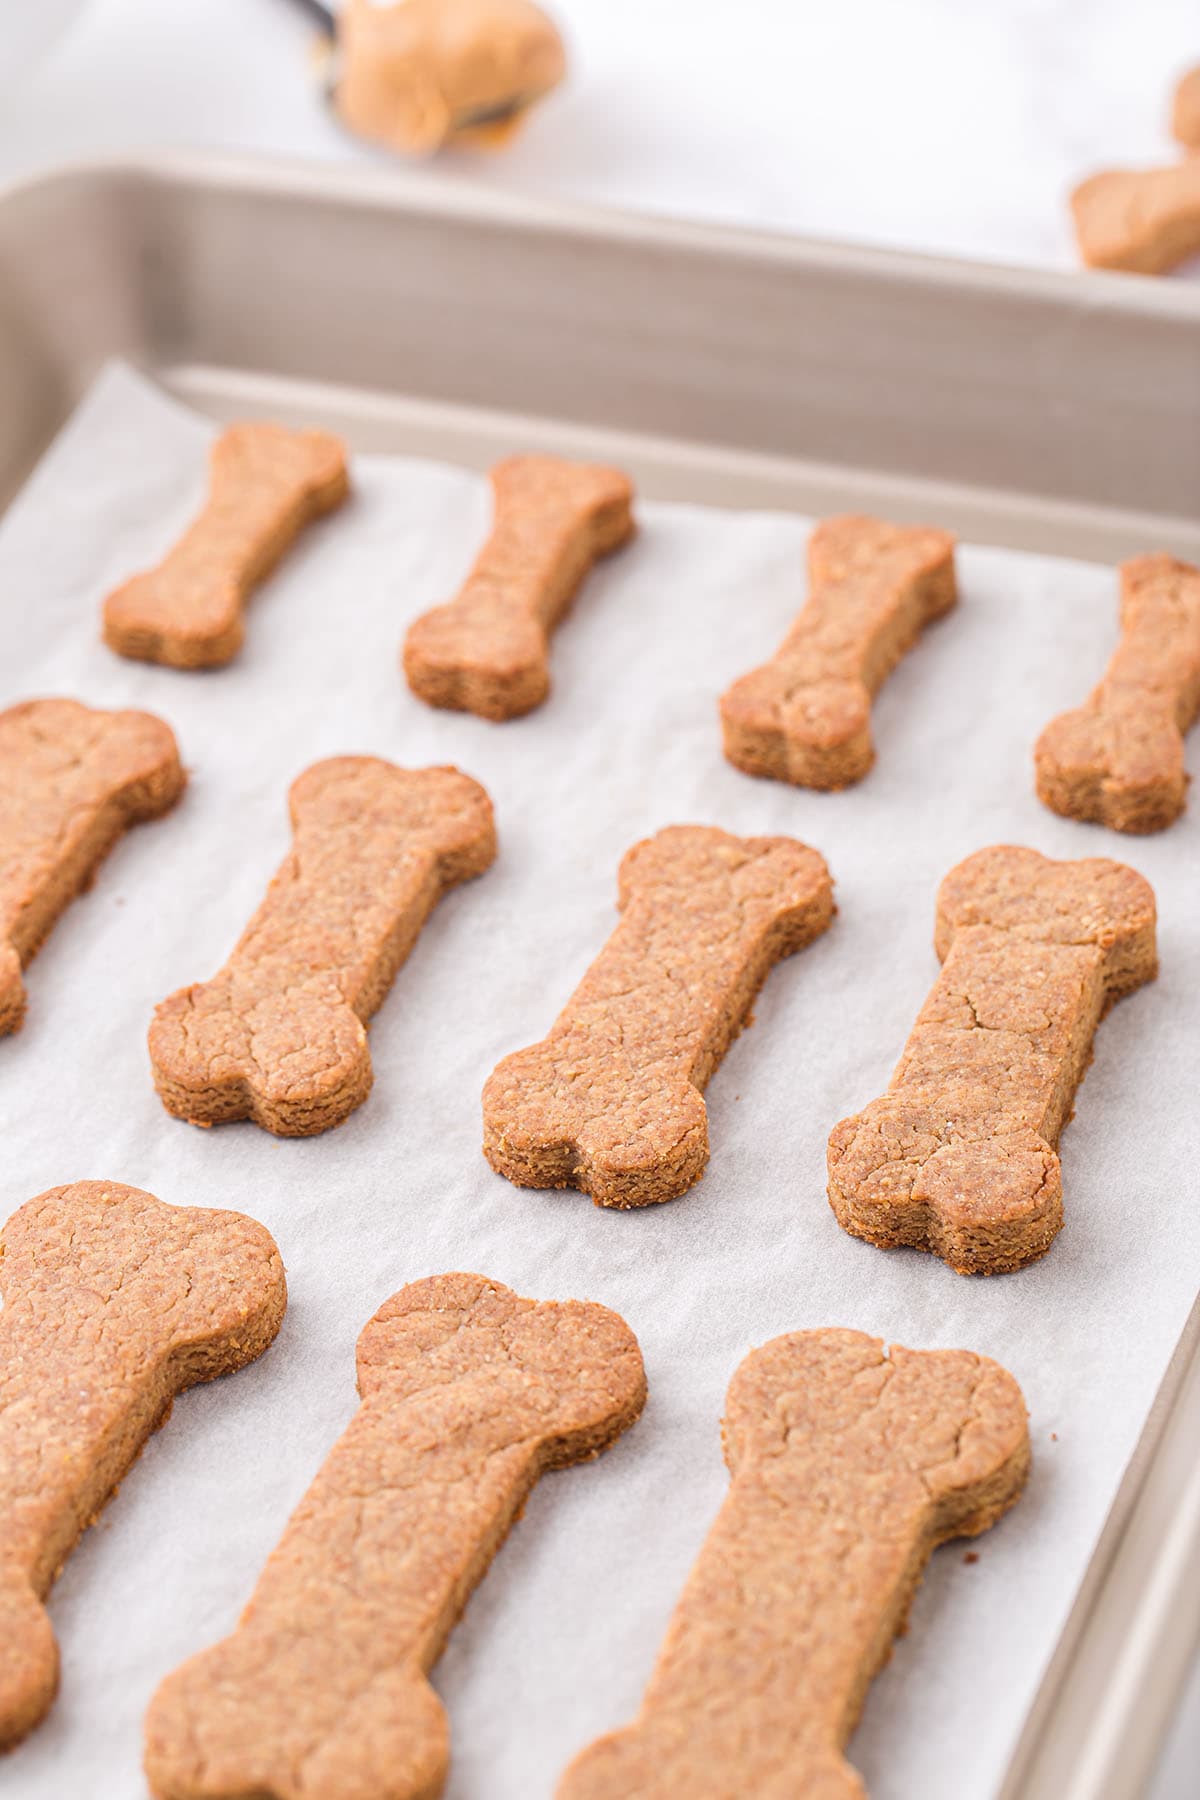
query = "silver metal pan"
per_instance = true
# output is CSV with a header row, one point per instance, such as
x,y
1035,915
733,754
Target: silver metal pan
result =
x,y
1039,411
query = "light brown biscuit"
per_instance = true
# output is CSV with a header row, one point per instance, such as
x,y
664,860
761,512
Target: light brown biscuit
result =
x,y
610,1102
468,1394
487,650
1142,220
849,1467
958,1157
279,1034
435,72
805,716
265,484
1185,110
113,1304
71,782
1118,759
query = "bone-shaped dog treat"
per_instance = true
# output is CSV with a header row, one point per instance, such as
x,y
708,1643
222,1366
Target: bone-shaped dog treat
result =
x,y
1185,110
279,1035
958,1157
848,1468
487,650
468,1394
265,484
1118,759
71,782
113,1304
610,1102
805,716
1143,220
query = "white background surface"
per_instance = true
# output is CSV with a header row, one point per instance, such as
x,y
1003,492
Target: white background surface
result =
x,y
937,126
560,1638
932,125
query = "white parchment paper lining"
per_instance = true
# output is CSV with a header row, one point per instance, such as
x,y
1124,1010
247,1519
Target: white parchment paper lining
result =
x,y
557,1643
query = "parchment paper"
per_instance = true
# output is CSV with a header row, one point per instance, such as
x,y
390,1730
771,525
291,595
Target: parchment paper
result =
x,y
558,1641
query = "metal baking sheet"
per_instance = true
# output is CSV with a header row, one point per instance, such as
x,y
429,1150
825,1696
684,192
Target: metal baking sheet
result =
x,y
1043,412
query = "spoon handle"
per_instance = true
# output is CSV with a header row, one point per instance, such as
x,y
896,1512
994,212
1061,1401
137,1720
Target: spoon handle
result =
x,y
320,15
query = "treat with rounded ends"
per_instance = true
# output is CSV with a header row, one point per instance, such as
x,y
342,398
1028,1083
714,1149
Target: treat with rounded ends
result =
x,y
71,782
417,75
468,1394
279,1035
1185,110
805,716
113,1304
487,651
265,484
959,1157
1118,759
849,1466
610,1102
1142,220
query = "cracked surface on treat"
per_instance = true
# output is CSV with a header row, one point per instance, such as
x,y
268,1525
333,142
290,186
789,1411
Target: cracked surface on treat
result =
x,y
959,1156
113,1304
279,1034
610,1101
805,716
1142,220
849,1465
265,484
469,1393
72,780
1118,760
487,650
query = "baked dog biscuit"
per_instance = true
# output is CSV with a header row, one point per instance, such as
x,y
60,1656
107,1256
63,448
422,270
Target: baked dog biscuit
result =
x,y
279,1035
487,650
71,782
1142,220
610,1102
1185,110
805,716
113,1304
265,484
468,1394
958,1157
848,1467
1118,759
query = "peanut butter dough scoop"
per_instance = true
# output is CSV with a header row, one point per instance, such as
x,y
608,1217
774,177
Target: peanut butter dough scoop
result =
x,y
418,75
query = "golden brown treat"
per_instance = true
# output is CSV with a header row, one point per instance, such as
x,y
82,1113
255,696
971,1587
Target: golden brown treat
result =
x,y
1185,110
113,1304
426,73
958,1157
487,650
71,782
265,484
468,1394
805,716
610,1102
1118,759
279,1035
849,1467
1142,220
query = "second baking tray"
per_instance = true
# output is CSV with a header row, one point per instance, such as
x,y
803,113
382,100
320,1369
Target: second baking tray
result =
x,y
1041,412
